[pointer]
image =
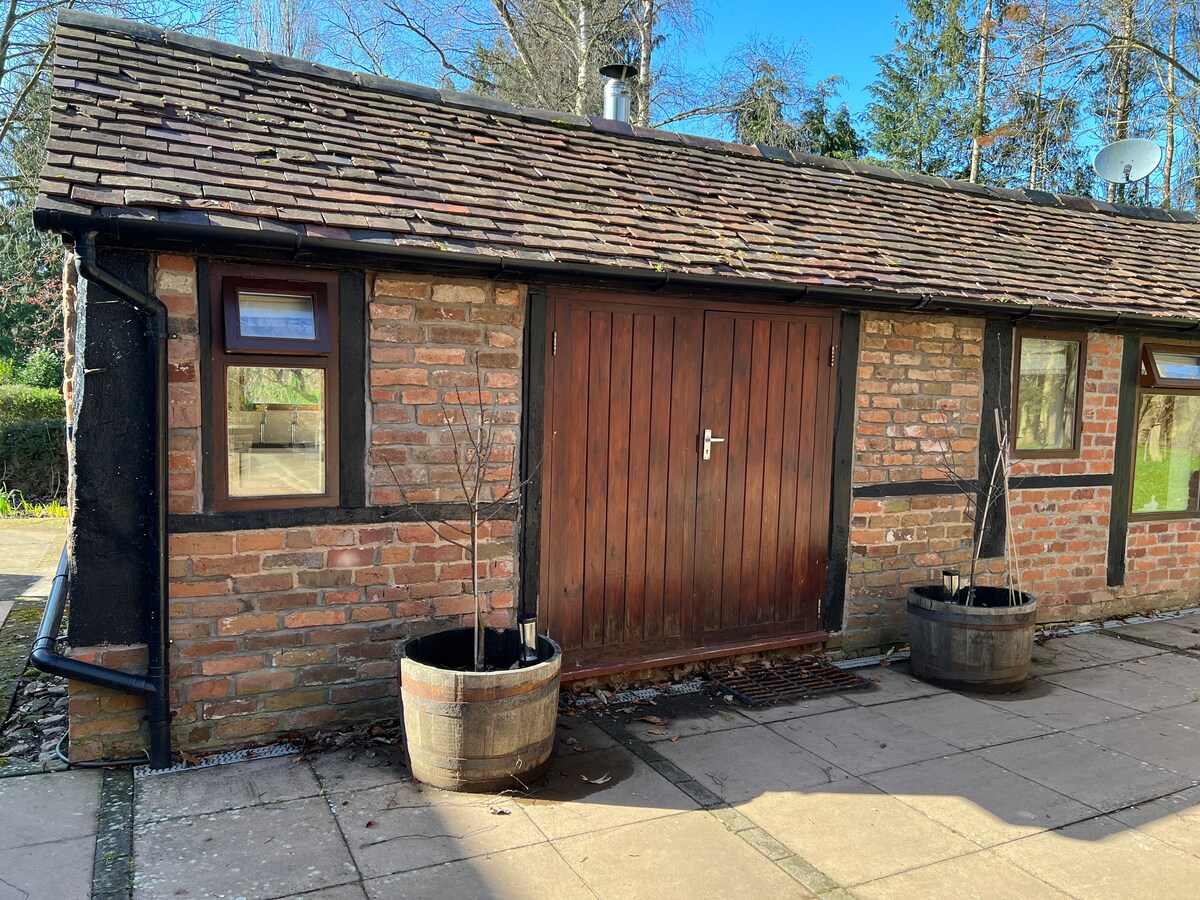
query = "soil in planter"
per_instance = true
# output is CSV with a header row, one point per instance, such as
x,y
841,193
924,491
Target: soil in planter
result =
x,y
984,597
454,650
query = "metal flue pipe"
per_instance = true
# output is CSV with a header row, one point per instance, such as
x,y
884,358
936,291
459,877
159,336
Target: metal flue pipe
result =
x,y
616,90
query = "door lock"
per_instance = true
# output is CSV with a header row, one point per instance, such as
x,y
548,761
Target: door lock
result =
x,y
709,440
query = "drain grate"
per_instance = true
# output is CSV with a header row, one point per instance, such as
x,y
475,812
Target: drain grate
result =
x,y
757,684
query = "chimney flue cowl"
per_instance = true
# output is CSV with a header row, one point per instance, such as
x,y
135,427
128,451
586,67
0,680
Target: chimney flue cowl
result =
x,y
616,91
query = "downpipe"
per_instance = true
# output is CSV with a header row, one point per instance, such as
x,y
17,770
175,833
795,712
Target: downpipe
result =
x,y
155,684
46,658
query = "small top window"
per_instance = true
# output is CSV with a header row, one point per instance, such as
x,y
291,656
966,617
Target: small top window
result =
x,y
276,317
1048,388
1170,367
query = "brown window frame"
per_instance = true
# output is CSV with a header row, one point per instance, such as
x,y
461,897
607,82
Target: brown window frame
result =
x,y
236,342
1151,382
1077,437
226,281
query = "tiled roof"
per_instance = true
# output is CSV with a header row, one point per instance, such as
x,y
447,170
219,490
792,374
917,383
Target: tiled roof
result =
x,y
163,127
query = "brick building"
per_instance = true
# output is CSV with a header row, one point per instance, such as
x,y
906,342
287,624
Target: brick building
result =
x,y
736,379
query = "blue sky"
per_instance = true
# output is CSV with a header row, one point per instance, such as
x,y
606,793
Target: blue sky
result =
x,y
843,36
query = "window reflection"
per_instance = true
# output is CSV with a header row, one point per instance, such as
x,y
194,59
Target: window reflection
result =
x,y
1046,394
276,431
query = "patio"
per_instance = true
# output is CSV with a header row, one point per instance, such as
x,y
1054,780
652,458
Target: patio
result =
x,y
1083,786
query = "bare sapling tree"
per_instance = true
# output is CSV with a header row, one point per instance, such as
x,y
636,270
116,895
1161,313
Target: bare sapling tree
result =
x,y
984,498
487,483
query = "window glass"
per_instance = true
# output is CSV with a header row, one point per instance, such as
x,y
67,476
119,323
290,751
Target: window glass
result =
x,y
1177,366
276,316
1167,468
276,431
1046,394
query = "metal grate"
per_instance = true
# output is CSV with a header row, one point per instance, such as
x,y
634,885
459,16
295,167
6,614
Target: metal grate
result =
x,y
221,759
757,684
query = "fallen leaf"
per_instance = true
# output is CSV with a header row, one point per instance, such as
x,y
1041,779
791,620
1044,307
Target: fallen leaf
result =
x,y
370,823
352,755
658,731
497,811
603,779
653,720
884,663
674,738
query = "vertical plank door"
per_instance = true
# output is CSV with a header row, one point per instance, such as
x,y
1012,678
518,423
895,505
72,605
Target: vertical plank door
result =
x,y
622,399
762,507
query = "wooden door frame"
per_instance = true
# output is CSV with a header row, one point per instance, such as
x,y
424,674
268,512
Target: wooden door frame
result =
x,y
536,414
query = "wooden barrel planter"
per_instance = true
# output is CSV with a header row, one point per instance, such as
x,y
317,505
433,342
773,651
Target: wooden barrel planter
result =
x,y
478,731
986,647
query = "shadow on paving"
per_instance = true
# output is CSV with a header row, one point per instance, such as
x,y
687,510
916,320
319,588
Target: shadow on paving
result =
x,y
1083,785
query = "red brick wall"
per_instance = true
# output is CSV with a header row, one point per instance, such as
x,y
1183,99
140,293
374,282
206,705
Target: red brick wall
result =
x,y
919,401
919,391
175,284
426,338
289,629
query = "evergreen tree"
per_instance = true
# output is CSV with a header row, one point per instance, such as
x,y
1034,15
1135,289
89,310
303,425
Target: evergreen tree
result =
x,y
920,111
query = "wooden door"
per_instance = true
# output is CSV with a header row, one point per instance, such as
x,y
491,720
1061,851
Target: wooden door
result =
x,y
648,550
762,510
622,392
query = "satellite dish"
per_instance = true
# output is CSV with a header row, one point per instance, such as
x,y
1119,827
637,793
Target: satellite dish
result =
x,y
1126,161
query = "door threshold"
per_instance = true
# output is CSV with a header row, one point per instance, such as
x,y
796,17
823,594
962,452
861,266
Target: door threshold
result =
x,y
664,659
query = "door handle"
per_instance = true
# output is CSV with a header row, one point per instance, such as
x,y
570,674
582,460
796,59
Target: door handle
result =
x,y
709,440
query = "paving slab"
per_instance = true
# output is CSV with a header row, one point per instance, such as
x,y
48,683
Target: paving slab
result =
x,y
977,876
1127,685
1174,820
54,870
36,809
1096,776
862,740
709,721
342,771
255,853
575,734
798,709
1102,648
1172,668
961,721
1083,651
194,792
743,764
1187,715
1188,620
980,800
567,804
854,832
1173,632
686,855
530,873
889,684
1103,860
406,826
1058,707
1153,739
341,892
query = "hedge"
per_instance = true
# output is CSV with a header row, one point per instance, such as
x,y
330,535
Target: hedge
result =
x,y
21,403
33,458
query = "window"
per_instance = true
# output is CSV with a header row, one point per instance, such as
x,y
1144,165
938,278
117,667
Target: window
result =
x,y
1166,474
274,391
1048,389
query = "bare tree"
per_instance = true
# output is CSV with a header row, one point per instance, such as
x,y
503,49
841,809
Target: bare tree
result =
x,y
488,486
